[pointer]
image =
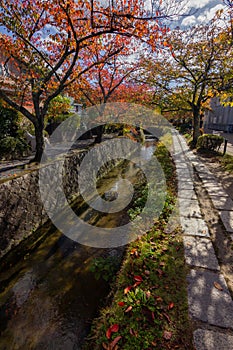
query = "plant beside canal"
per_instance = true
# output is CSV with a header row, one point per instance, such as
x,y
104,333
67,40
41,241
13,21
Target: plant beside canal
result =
x,y
149,309
227,162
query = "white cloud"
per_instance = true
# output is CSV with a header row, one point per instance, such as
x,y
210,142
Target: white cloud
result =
x,y
189,21
204,17
198,3
209,14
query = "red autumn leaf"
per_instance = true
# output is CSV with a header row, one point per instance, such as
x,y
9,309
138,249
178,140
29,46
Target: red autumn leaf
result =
x,y
121,303
170,306
136,284
115,341
127,289
109,333
138,278
114,328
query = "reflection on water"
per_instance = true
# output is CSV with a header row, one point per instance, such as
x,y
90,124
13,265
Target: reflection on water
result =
x,y
49,298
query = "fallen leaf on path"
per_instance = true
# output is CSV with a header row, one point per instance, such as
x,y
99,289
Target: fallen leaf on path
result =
x,y
218,286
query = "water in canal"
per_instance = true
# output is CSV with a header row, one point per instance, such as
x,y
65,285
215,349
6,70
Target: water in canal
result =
x,y
49,296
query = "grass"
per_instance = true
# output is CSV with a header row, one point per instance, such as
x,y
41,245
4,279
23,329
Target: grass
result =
x,y
149,308
227,162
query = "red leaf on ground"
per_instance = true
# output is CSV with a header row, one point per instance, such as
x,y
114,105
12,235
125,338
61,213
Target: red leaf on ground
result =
x,y
114,328
127,289
115,341
129,309
109,333
121,303
136,284
170,306
138,278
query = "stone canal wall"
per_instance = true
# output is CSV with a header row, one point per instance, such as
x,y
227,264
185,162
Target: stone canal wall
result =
x,y
21,208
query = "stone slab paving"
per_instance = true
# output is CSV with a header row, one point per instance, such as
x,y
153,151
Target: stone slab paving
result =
x,y
209,340
222,203
185,185
199,252
227,219
209,299
193,226
189,194
192,208
206,302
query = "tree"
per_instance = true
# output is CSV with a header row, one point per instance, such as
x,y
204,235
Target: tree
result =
x,y
50,43
193,68
101,83
59,108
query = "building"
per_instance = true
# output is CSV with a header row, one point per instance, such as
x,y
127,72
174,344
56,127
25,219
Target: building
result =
x,y
219,117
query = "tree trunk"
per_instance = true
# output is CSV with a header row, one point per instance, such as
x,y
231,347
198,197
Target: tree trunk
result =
x,y
196,124
39,142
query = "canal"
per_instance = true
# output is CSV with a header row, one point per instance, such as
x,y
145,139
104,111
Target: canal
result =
x,y
49,294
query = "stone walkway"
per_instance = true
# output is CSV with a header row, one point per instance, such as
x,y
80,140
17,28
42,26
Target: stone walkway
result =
x,y
209,300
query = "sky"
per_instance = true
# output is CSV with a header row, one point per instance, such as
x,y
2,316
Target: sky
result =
x,y
205,10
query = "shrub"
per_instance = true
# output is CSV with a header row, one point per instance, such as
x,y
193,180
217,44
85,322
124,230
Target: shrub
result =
x,y
12,147
209,142
9,121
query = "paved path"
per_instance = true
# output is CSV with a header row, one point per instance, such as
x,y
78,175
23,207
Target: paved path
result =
x,y
210,302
